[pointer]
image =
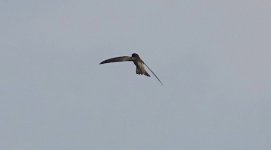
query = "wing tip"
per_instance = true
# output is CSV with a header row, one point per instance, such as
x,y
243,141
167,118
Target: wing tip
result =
x,y
103,62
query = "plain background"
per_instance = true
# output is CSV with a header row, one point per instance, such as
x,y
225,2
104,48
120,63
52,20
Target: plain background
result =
x,y
213,57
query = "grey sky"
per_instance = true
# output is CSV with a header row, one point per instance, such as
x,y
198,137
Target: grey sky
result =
x,y
212,56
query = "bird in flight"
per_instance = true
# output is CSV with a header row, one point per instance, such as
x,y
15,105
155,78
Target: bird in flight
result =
x,y
139,63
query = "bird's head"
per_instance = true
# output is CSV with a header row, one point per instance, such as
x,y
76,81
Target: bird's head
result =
x,y
135,55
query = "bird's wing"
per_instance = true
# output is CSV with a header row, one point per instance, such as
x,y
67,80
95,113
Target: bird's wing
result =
x,y
117,59
153,73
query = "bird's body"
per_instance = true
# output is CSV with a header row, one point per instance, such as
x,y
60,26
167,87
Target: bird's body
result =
x,y
139,63
140,69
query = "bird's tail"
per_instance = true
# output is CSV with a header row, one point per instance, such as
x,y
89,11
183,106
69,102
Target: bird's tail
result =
x,y
146,74
142,72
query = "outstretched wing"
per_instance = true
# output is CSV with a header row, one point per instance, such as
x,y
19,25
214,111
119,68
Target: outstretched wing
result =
x,y
153,73
117,59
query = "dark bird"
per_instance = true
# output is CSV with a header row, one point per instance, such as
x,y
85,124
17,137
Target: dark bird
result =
x,y
139,63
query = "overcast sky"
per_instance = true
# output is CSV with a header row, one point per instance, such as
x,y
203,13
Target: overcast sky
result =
x,y
212,56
